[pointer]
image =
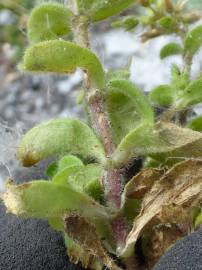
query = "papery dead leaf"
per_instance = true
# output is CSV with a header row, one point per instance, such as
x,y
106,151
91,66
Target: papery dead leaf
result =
x,y
171,199
84,234
142,183
160,239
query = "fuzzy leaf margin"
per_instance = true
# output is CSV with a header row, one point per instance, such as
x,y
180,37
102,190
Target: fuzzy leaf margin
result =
x,y
58,137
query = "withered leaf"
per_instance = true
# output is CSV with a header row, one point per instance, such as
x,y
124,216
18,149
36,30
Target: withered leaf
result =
x,y
84,234
142,183
161,238
171,199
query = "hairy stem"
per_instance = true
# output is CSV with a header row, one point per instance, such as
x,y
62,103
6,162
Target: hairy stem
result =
x,y
112,179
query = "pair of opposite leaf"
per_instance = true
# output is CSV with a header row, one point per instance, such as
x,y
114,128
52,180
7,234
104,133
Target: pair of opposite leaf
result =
x,y
52,20
180,94
192,43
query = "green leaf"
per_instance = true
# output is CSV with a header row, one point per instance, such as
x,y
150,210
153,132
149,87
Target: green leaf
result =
x,y
56,138
56,224
162,95
49,21
61,56
170,49
127,107
179,80
167,22
83,179
43,199
193,40
68,161
128,23
99,10
191,95
163,141
88,179
198,220
52,169
196,124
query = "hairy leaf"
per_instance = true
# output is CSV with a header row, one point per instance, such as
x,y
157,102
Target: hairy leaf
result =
x,y
84,234
165,140
58,137
196,124
99,10
191,95
167,22
171,199
77,254
193,40
128,23
170,49
163,95
82,178
43,199
61,56
49,21
127,107
68,161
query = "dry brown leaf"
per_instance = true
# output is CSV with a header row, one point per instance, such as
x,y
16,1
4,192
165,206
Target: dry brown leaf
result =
x,y
141,183
84,234
160,239
170,199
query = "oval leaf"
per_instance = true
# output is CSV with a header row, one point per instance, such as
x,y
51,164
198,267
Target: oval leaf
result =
x,y
48,21
196,124
162,95
170,49
58,137
99,10
127,107
191,95
43,199
63,57
193,40
128,23
163,141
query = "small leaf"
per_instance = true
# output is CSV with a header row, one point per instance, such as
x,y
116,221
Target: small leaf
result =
x,y
167,22
179,80
83,179
128,23
193,40
77,254
196,124
48,21
58,137
99,10
52,169
198,220
68,161
61,56
127,107
170,49
191,95
85,235
163,141
43,199
171,199
162,95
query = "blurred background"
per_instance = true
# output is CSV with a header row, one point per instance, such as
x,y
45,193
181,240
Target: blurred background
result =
x,y
27,99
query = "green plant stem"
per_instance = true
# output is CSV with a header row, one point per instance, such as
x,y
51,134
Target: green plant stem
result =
x,y
112,179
